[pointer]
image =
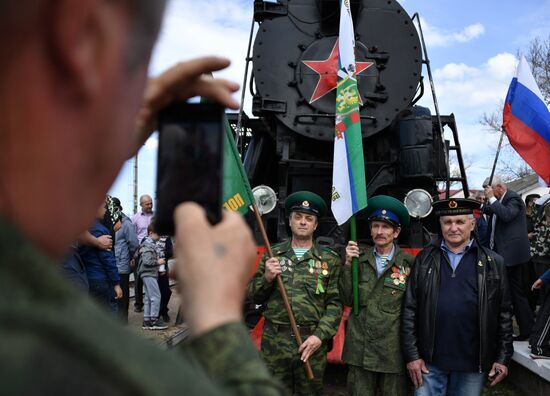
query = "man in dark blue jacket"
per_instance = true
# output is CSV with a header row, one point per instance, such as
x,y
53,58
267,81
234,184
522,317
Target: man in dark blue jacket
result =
x,y
101,265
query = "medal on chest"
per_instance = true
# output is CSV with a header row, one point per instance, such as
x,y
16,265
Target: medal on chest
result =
x,y
286,264
398,277
320,270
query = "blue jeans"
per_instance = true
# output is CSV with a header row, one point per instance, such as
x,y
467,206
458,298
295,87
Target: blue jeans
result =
x,y
450,383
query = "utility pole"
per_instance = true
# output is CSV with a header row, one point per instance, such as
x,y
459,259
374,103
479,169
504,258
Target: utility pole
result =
x,y
135,183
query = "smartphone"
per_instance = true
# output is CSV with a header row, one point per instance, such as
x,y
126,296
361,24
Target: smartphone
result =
x,y
190,161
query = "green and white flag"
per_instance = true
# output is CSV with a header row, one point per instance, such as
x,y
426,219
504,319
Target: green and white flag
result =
x,y
237,195
349,192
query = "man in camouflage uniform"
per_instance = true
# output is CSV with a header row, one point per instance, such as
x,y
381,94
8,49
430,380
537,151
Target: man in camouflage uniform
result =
x,y
73,76
372,348
310,273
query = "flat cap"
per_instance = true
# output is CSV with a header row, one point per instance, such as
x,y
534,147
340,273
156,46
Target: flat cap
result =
x,y
455,206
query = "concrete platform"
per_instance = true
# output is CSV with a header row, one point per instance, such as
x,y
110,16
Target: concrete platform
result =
x,y
532,376
541,367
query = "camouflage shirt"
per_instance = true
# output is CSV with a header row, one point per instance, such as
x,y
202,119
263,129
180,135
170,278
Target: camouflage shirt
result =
x,y
373,336
540,243
56,341
312,287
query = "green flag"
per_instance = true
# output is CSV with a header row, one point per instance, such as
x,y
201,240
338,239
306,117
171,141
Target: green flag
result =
x,y
237,195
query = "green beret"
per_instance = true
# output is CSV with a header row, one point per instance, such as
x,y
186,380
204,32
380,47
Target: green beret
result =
x,y
306,202
388,209
455,206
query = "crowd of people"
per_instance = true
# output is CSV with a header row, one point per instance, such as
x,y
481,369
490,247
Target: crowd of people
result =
x,y
103,270
443,317
76,103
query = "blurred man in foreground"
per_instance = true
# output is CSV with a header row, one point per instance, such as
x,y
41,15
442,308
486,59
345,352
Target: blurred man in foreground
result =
x,y
72,81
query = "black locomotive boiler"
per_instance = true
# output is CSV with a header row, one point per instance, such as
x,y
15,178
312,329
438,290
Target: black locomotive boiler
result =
x,y
294,62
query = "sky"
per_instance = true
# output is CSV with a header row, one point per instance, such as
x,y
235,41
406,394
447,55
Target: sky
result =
x,y
472,47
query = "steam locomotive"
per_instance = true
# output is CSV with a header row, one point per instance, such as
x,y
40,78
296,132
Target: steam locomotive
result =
x,y
289,145
293,79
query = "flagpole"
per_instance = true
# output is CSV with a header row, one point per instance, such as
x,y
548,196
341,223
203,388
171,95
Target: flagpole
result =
x,y
349,189
243,90
282,290
496,157
354,268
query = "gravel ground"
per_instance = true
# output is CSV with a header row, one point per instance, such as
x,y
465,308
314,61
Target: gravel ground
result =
x,y
135,320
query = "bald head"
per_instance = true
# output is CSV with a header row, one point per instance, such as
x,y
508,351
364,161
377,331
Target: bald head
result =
x,y
146,203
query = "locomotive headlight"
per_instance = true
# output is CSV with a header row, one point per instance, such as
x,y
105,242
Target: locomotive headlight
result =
x,y
418,202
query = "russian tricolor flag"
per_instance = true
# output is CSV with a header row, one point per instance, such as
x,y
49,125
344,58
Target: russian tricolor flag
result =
x,y
526,120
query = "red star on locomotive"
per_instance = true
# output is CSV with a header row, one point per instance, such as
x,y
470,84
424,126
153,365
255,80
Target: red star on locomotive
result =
x,y
327,70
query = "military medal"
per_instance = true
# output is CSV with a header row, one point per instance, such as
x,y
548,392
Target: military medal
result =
x,y
286,264
398,277
282,264
325,268
311,268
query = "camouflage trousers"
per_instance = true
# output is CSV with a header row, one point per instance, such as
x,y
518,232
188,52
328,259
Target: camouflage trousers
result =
x,y
280,353
363,382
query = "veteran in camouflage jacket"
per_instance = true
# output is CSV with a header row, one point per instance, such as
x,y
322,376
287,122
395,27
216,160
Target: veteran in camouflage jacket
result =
x,y
310,274
372,348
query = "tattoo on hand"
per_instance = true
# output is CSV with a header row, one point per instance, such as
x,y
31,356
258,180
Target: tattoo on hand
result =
x,y
219,250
